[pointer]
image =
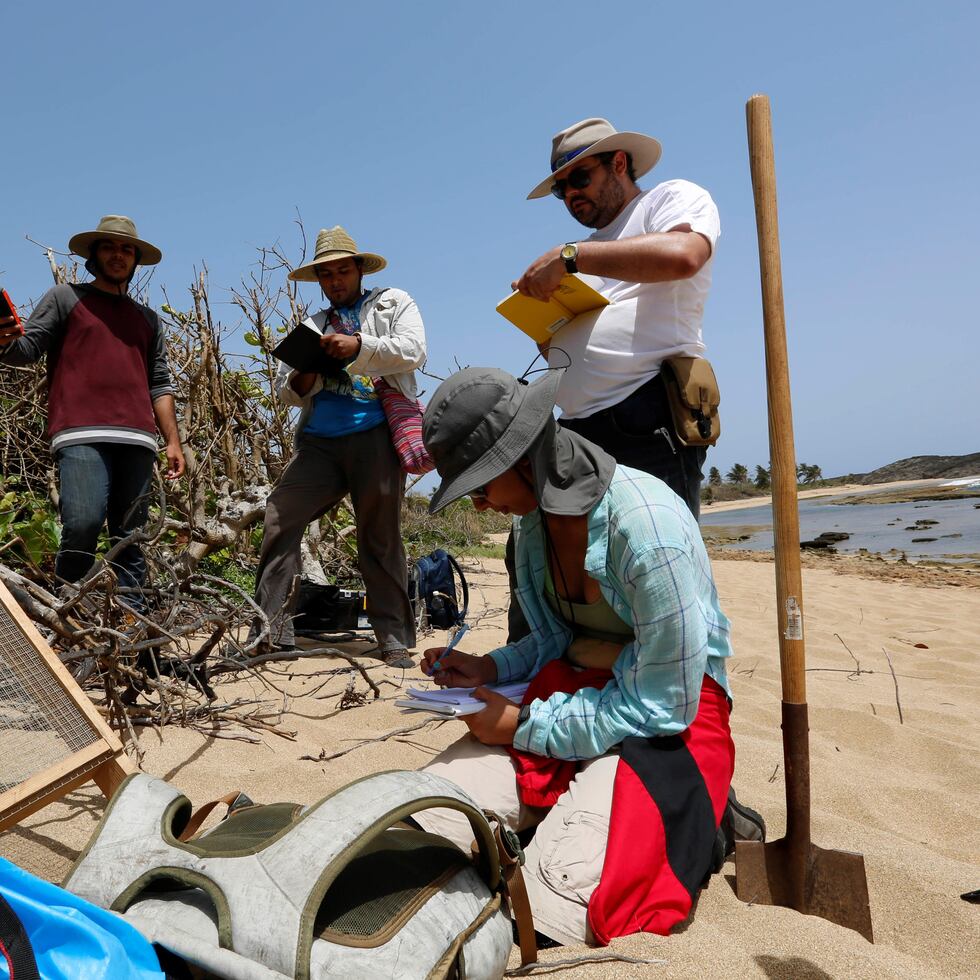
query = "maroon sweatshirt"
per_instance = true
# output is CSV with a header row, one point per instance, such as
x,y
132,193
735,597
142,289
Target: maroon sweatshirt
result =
x,y
107,363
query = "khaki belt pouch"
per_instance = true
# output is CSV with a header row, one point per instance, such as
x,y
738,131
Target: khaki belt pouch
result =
x,y
692,393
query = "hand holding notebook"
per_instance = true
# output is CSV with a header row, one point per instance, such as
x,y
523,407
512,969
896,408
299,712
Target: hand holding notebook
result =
x,y
457,701
541,320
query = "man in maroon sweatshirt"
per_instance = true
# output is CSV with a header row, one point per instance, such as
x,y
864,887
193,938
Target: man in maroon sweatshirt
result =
x,y
109,390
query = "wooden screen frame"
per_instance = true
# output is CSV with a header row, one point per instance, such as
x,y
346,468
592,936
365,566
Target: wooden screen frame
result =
x,y
104,761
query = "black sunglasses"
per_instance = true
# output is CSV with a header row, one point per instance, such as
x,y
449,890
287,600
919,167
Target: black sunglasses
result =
x,y
478,492
578,180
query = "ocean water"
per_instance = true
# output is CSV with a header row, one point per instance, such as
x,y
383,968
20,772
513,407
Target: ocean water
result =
x,y
878,528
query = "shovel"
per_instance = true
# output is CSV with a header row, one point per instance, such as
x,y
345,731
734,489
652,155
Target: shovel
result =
x,y
793,871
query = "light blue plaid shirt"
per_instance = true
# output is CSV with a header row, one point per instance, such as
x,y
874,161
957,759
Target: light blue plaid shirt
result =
x,y
646,553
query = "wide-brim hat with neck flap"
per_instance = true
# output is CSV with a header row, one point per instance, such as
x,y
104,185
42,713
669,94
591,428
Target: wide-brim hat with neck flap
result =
x,y
115,227
333,244
479,423
592,136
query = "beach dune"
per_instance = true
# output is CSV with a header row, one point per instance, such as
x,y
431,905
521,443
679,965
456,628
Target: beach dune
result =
x,y
894,772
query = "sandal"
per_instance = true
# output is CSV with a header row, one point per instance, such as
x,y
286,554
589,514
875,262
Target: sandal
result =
x,y
396,658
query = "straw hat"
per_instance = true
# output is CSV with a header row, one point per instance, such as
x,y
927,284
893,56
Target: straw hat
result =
x,y
118,228
332,244
591,136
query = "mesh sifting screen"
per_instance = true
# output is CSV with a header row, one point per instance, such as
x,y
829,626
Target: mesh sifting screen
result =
x,y
40,725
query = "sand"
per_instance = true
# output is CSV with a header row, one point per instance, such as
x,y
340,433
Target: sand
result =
x,y
901,791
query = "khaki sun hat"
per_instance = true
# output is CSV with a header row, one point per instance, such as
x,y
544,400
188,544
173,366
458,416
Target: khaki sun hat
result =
x,y
332,244
119,228
595,135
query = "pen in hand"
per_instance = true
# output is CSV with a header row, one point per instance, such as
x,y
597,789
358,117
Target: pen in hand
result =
x,y
454,638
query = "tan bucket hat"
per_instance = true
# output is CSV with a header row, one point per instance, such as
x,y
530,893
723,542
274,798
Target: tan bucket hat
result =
x,y
595,135
332,244
120,228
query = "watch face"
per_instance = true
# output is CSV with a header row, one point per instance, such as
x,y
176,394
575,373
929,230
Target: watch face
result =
x,y
569,251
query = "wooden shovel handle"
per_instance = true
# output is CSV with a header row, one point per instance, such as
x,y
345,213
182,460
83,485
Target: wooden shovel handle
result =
x,y
786,521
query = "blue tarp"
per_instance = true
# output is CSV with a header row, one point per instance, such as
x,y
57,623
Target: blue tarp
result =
x,y
74,939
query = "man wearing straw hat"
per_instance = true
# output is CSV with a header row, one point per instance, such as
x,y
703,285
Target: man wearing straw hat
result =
x,y
109,392
343,444
652,252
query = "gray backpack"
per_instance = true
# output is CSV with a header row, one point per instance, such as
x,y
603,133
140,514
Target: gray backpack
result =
x,y
329,890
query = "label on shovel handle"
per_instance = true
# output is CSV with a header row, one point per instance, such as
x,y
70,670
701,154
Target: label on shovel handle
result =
x,y
794,620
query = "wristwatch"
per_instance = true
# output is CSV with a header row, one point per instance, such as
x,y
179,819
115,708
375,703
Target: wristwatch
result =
x,y
523,714
569,253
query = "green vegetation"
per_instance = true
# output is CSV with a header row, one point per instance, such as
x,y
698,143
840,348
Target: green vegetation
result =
x,y
737,484
460,528
29,529
224,565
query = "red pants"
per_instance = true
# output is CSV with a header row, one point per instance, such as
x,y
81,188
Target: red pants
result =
x,y
668,800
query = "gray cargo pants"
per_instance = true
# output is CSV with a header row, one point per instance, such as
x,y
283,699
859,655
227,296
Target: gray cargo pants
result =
x,y
318,476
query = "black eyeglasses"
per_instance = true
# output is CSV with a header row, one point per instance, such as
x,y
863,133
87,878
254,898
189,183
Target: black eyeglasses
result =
x,y
578,180
480,492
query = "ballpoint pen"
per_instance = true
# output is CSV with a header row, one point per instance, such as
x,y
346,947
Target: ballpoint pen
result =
x,y
457,634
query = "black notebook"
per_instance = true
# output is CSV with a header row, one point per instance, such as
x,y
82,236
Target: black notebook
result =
x,y
301,350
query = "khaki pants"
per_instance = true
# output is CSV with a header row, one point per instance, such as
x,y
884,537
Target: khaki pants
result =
x,y
364,465
565,858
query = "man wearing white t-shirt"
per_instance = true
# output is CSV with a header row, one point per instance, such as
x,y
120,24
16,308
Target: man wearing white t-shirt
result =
x,y
650,256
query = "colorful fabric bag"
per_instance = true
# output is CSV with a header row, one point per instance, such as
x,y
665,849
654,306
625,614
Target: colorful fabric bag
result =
x,y
404,416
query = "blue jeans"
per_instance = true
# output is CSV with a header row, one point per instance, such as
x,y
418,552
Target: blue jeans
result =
x,y
100,483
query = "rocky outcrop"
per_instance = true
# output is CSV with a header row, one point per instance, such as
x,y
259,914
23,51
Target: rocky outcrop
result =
x,y
924,468
826,540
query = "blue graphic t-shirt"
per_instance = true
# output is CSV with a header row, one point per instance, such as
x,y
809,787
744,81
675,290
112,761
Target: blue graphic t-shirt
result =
x,y
347,403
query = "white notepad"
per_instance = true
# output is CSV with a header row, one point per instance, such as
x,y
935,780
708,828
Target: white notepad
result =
x,y
456,701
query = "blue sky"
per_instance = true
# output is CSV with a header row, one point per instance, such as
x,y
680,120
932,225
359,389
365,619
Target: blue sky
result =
x,y
421,127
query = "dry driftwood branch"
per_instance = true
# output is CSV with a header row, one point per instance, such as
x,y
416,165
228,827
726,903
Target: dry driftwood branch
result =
x,y
898,700
235,512
857,671
351,697
151,667
323,757
230,666
529,968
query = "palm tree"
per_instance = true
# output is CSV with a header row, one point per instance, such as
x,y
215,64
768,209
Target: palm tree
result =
x,y
805,473
738,474
714,477
762,480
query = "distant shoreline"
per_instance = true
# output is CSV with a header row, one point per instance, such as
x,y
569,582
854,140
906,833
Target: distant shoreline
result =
x,y
923,571
835,491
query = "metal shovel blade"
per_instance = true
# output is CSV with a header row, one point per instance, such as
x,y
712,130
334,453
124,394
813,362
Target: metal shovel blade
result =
x,y
814,881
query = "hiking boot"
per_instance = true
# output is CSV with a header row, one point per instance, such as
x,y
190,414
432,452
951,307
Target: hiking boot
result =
x,y
396,658
746,823
738,822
